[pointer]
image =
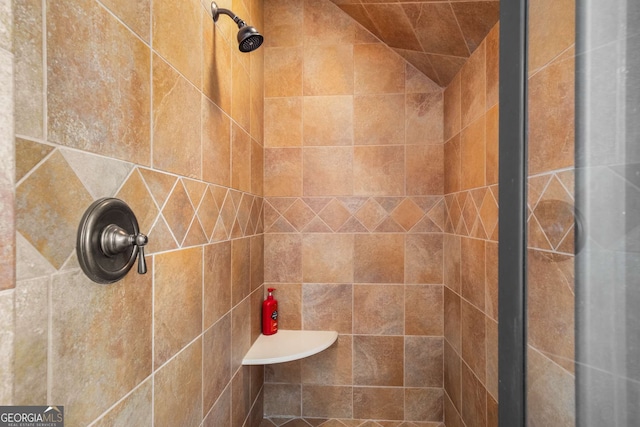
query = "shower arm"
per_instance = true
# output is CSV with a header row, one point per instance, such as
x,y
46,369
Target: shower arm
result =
x,y
216,11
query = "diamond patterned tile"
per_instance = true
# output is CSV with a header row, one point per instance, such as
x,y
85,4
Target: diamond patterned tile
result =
x,y
195,235
29,154
101,176
317,203
228,212
195,191
437,214
317,226
353,204
160,184
489,213
134,192
208,213
160,238
389,203
389,225
299,214
220,232
371,214
178,212
48,217
244,211
407,214
334,215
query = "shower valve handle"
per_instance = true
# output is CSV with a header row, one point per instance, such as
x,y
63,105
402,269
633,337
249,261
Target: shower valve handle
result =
x,y
115,240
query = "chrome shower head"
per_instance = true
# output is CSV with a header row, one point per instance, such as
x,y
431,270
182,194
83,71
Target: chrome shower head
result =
x,y
249,39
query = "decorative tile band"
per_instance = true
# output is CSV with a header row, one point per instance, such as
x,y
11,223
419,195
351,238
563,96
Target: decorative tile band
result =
x,y
419,214
175,212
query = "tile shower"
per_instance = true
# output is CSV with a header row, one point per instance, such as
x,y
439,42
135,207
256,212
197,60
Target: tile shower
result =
x,y
322,164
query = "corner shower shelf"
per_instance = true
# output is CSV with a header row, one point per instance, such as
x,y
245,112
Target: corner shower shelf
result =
x,y
285,346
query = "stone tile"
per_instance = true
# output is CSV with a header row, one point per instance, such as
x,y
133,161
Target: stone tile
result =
x,y
386,403
216,363
240,270
217,282
474,399
101,177
332,366
328,171
378,360
423,258
283,71
178,212
327,401
378,170
377,69
171,35
325,24
184,373
327,307
136,15
289,296
475,20
327,258
379,258
134,410
472,267
423,312
31,341
328,70
424,169
474,338
551,306
177,301
283,399
216,145
552,31
241,322
423,404
282,21
551,116
283,126
28,69
424,118
49,219
473,87
551,392
283,172
369,301
472,155
423,361
85,66
90,327
379,119
453,319
283,258
220,414
176,117
216,65
452,375
329,120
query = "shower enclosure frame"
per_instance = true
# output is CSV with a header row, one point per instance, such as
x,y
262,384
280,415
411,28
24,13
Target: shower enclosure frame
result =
x,y
512,214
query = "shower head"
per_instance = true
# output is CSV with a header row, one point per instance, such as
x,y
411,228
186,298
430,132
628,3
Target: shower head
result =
x,y
249,39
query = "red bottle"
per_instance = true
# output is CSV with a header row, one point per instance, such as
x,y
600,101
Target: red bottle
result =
x,y
270,314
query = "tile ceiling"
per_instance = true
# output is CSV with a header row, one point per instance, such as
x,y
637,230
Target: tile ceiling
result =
x,y
436,37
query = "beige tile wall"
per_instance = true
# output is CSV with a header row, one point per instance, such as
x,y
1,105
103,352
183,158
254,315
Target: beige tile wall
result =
x,y
550,272
354,218
7,209
151,104
470,240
